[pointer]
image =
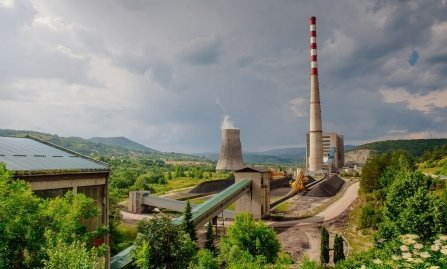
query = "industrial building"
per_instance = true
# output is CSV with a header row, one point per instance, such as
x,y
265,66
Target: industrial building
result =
x,y
330,140
52,171
230,157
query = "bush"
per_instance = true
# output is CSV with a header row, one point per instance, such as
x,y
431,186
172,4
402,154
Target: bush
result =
x,y
247,236
204,260
161,244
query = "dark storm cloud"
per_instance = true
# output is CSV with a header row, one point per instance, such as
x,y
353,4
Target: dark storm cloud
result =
x,y
157,68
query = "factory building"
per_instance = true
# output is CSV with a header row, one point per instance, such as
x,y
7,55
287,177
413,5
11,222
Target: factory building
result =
x,y
52,171
230,157
330,140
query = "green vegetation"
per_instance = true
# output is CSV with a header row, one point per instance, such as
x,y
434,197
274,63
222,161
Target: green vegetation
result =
x,y
415,147
34,231
248,244
161,244
250,239
339,253
75,255
405,210
324,247
187,224
209,243
435,161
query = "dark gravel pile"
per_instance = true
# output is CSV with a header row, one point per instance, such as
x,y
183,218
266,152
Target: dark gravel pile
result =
x,y
327,188
310,179
280,183
212,186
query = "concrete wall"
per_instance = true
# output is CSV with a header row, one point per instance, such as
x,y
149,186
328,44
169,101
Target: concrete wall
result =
x,y
257,201
135,201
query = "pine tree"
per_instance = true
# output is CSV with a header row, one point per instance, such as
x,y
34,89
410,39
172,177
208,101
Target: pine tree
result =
x,y
188,225
324,251
338,249
209,244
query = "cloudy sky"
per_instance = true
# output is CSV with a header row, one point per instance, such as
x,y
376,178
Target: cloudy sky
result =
x,y
166,73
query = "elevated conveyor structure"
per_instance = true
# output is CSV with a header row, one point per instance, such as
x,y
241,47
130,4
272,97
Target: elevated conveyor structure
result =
x,y
212,207
200,215
175,205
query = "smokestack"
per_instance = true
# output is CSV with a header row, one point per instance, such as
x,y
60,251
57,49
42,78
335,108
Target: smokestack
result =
x,y
315,127
230,157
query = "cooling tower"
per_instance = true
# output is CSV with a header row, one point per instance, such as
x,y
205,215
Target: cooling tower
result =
x,y
315,126
230,157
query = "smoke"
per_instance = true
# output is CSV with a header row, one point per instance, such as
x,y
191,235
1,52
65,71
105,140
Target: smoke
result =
x,y
227,123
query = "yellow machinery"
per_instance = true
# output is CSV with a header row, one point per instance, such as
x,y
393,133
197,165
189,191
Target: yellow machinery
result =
x,y
298,184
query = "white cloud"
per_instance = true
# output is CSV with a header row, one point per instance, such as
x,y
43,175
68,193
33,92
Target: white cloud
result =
x,y
422,102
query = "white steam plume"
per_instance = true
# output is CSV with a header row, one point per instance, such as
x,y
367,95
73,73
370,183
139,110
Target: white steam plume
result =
x,y
227,123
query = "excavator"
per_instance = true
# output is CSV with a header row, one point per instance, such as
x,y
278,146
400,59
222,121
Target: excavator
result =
x,y
298,185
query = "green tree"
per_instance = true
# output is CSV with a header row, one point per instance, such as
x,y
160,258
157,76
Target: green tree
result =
x,y
204,260
21,227
74,255
339,253
161,244
209,243
29,225
324,249
249,237
423,215
187,223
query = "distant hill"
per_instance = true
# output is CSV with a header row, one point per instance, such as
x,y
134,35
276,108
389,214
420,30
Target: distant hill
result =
x,y
415,147
127,148
124,143
275,156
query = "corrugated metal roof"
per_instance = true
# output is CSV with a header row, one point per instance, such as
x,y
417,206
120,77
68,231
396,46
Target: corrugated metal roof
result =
x,y
30,154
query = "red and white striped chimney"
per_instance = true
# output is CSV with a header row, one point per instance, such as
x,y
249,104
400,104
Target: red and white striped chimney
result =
x,y
315,161
313,46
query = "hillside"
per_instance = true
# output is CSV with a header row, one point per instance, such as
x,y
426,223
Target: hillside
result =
x,y
99,150
124,143
415,147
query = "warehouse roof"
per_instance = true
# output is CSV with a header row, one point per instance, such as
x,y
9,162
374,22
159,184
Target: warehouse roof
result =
x,y
36,156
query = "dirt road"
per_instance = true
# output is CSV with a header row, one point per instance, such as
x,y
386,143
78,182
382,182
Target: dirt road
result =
x,y
303,236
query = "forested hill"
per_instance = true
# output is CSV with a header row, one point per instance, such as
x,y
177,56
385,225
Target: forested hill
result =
x,y
87,147
415,147
123,142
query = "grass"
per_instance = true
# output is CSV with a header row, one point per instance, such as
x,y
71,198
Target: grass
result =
x,y
359,240
283,207
178,183
126,234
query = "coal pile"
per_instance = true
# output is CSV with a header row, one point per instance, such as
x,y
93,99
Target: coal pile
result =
x,y
327,188
280,183
212,186
310,179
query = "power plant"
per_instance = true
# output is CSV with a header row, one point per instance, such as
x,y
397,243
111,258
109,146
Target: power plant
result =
x,y
230,157
315,160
